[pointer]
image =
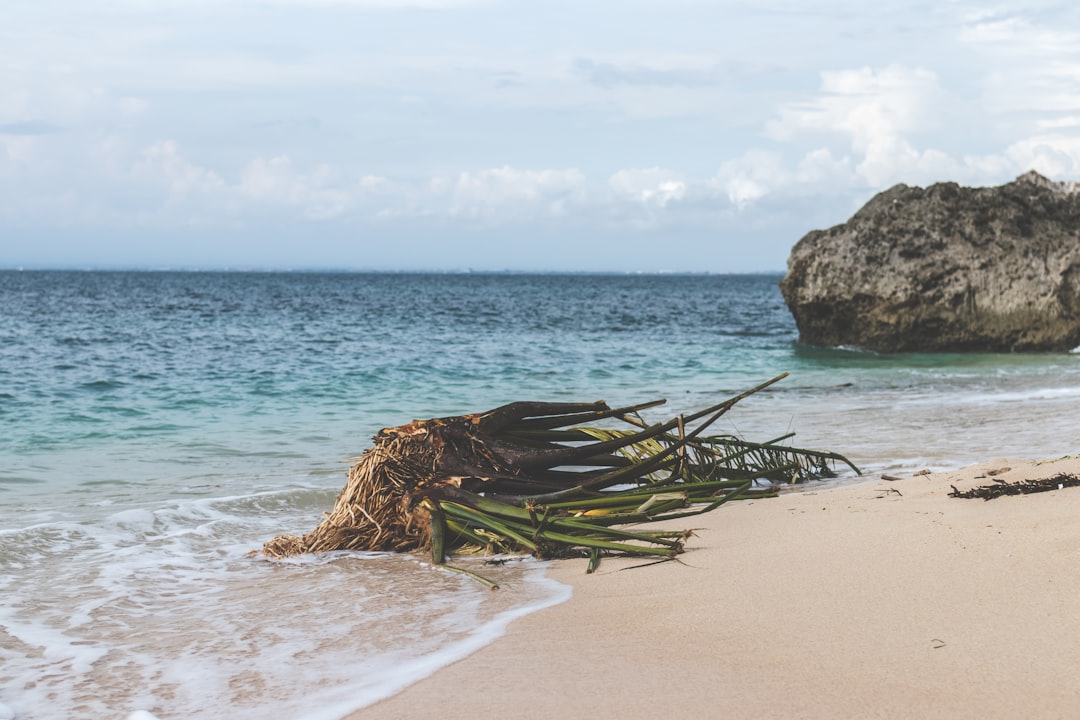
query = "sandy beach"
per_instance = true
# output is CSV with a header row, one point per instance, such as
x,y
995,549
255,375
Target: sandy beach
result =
x,y
876,600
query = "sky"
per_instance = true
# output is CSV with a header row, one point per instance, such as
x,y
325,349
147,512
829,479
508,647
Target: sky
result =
x,y
623,136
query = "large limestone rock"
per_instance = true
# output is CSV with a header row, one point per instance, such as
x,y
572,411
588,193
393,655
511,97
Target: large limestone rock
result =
x,y
946,268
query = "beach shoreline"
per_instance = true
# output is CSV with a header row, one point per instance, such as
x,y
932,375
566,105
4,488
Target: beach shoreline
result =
x,y
874,599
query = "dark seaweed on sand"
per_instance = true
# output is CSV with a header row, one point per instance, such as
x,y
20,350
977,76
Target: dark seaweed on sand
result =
x,y
1022,487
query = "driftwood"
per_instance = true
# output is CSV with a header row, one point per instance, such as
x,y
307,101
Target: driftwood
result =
x,y
544,478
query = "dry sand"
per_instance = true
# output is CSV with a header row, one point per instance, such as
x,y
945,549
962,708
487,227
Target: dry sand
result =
x,y
882,599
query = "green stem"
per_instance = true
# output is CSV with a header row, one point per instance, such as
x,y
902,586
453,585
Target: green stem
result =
x,y
488,522
491,584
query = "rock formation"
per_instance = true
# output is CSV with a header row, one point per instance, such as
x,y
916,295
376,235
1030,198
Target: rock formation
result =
x,y
945,269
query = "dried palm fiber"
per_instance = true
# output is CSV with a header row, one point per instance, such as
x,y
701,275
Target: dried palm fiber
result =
x,y
379,507
532,477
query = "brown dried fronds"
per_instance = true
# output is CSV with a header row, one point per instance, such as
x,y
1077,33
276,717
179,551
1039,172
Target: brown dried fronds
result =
x,y
542,478
375,509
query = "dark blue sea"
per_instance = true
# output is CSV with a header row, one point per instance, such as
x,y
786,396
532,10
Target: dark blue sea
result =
x,y
155,427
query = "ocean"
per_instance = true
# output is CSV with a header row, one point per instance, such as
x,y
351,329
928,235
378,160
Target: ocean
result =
x,y
156,427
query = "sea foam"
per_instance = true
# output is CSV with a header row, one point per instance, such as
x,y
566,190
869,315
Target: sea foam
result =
x,y
160,610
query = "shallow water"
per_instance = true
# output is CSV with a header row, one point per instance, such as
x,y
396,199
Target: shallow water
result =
x,y
156,427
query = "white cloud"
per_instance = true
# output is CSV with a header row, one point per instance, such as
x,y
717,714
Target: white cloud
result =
x,y
742,190
321,193
864,104
751,177
876,111
273,186
654,187
1072,121
1056,156
163,161
1017,35
1032,67
818,168
757,173
505,192
988,27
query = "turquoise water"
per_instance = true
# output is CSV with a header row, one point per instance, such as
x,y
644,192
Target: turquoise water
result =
x,y
154,427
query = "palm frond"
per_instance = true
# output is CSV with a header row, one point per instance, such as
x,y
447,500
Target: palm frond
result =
x,y
531,477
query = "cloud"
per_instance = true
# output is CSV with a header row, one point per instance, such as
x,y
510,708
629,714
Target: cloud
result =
x,y
757,173
1016,34
163,162
1055,155
749,178
1031,65
653,187
1031,88
1072,121
991,27
321,193
265,186
506,192
864,104
876,110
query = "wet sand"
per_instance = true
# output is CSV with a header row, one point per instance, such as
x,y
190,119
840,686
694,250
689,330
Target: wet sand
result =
x,y
885,599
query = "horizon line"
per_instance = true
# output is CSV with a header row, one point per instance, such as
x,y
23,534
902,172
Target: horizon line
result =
x,y
374,271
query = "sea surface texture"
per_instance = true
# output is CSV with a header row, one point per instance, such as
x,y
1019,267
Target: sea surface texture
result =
x,y
157,427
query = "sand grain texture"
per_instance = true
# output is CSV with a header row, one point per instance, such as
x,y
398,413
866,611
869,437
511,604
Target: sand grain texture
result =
x,y
878,600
